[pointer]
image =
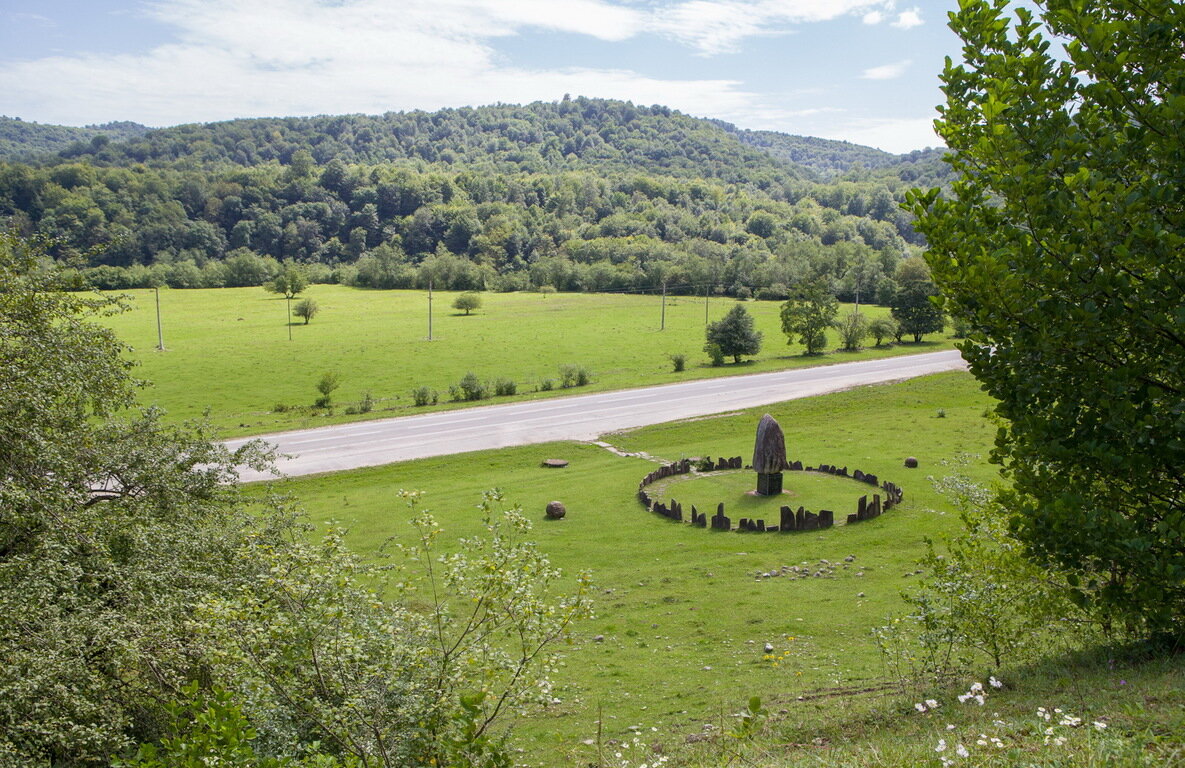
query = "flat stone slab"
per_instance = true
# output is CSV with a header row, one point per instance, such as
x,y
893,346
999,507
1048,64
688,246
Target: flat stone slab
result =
x,y
555,463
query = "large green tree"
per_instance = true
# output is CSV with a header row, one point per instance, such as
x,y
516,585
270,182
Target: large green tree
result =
x,y
807,315
1062,245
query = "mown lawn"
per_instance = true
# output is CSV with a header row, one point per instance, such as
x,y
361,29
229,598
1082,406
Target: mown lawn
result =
x,y
683,613
227,350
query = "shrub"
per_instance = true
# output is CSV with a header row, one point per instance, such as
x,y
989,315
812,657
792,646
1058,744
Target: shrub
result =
x,y
504,387
853,329
306,309
715,353
547,385
330,380
574,376
981,601
470,388
882,328
679,361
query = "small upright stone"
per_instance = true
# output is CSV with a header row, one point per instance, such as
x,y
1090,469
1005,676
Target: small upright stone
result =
x,y
555,510
911,462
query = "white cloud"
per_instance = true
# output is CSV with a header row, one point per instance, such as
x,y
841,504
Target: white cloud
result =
x,y
718,26
35,19
889,134
909,19
231,59
873,17
887,71
302,57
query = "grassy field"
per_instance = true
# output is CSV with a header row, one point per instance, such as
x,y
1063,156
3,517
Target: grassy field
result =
x,y
227,350
683,613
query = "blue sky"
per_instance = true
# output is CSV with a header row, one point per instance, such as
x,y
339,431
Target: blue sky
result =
x,y
861,71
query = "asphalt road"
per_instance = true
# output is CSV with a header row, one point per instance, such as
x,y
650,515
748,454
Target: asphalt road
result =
x,y
575,417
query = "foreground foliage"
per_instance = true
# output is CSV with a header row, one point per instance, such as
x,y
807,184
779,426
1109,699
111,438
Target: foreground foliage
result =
x,y
138,585
1061,249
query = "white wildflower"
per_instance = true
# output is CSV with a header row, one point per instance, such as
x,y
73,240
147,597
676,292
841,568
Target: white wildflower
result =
x,y
961,751
920,707
993,682
932,703
941,746
1099,725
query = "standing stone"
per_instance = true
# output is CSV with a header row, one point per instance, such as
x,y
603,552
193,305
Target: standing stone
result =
x,y
826,518
787,521
769,456
853,518
796,466
812,522
800,519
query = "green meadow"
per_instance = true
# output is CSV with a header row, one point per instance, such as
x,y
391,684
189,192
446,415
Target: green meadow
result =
x,y
683,614
227,350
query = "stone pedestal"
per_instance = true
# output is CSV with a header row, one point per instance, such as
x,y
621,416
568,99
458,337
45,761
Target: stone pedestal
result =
x,y
769,483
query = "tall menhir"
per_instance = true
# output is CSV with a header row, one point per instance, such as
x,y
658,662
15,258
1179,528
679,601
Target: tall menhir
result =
x,y
769,456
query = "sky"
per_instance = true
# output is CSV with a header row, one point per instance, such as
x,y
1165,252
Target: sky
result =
x,y
855,70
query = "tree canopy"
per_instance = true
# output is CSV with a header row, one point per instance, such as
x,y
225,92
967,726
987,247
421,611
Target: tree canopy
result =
x,y
807,315
1061,247
734,334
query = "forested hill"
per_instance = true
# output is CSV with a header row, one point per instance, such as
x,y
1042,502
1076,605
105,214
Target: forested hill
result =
x,y
829,158
580,194
543,137
20,139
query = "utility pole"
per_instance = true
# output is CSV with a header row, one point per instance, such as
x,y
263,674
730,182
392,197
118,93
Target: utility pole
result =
x,y
160,334
429,308
288,298
663,325
705,303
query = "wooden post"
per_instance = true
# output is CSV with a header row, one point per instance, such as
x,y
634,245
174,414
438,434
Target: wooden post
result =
x,y
160,335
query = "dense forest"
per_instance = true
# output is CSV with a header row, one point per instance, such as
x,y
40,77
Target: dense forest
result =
x,y
22,140
580,194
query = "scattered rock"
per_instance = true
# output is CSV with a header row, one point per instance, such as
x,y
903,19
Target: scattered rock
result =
x,y
859,594
599,639
556,510
769,648
911,462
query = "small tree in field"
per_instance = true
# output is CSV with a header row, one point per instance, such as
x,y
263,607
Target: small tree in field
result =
x,y
306,309
467,302
289,282
808,314
734,335
330,380
853,329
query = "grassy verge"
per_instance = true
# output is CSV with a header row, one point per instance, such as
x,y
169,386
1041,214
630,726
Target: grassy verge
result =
x,y
683,614
228,351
